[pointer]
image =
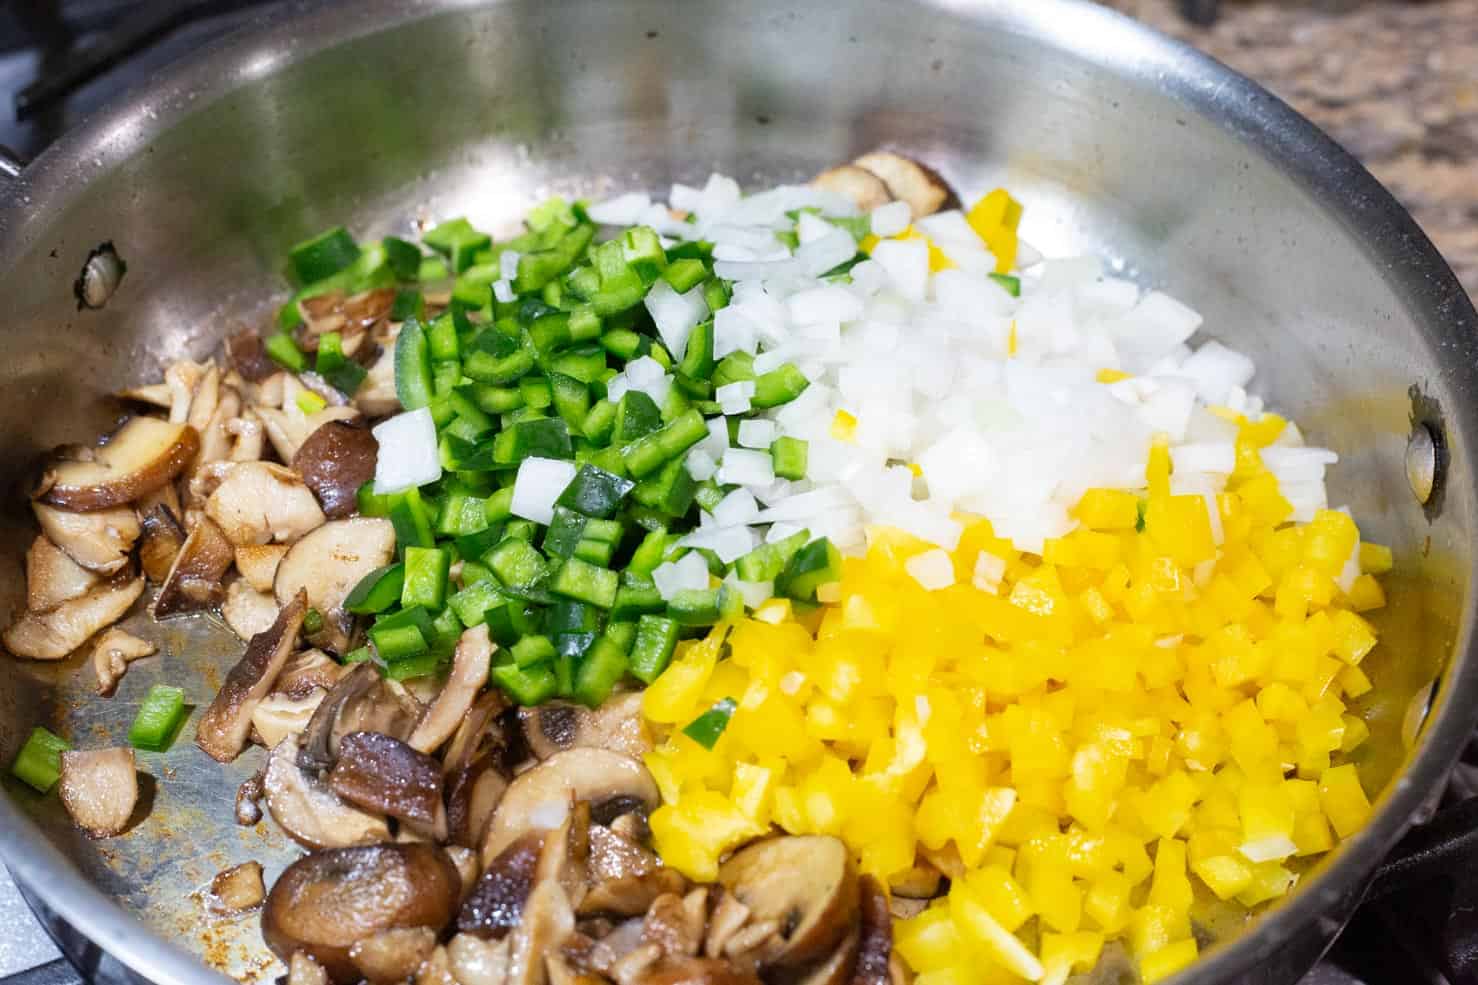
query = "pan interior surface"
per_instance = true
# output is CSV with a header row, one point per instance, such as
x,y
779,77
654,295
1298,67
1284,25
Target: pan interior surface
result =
x,y
1118,144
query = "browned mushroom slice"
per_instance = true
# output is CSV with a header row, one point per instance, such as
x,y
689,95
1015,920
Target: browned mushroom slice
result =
x,y
696,971
277,716
99,540
617,725
55,634
334,462
258,503
908,181
920,881
246,610
475,961
540,799
153,394
328,901
307,672
858,185
469,673
163,538
479,729
836,969
216,439
328,563
436,969
195,580
145,454
248,355
875,938
52,577
311,813
376,396
807,883
383,774
675,923
224,727
361,702
472,794
112,654
238,889
258,564
393,956
496,903
99,789
546,921
303,970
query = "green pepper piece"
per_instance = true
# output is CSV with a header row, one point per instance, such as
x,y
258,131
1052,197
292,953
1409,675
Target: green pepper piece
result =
x,y
457,241
323,255
425,577
376,591
282,350
812,566
527,686
39,762
651,651
412,366
603,666
778,386
595,492
1011,285
158,719
707,727
790,455
586,582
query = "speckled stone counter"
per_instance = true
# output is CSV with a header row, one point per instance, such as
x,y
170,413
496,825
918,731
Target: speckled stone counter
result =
x,y
1395,82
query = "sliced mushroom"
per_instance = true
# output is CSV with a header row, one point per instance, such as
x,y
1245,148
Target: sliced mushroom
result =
x,y
362,701
55,634
836,969
472,794
617,725
163,539
728,918
182,378
153,394
248,355
475,961
258,503
908,181
675,923
249,797
328,901
630,896
249,436
920,881
696,971
288,427
238,889
99,789
278,716
224,727
205,398
328,563
859,185
436,970
470,665
393,956
479,729
195,580
376,396
382,774
807,883
145,454
496,903
258,564
334,462
540,799
216,439
875,935
307,672
303,970
547,920
112,654
246,610
52,577
311,813
99,540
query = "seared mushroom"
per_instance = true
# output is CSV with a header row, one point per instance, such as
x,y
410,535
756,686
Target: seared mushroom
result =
x,y
469,673
475,961
472,794
383,774
145,454
238,889
246,610
311,813
436,970
807,883
547,920
859,185
696,971
112,654
617,725
675,923
626,878
303,970
334,462
55,634
248,355
53,578
288,427
217,442
258,564
393,956
540,799
278,715
99,540
479,729
838,968
249,797
99,789
205,398
195,579
496,903
875,937
362,701
327,902
162,541
153,394
909,181
309,671
376,396
224,727
257,503
328,563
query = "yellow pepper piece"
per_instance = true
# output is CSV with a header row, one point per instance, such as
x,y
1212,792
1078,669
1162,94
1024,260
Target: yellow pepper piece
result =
x,y
844,426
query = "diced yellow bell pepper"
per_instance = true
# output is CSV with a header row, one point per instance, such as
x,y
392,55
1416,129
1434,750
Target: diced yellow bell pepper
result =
x,y
1167,960
1343,799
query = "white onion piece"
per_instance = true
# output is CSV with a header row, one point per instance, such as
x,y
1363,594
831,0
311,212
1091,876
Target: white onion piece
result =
x,y
408,455
538,484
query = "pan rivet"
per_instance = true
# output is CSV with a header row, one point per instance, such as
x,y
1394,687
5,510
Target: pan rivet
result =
x,y
1421,463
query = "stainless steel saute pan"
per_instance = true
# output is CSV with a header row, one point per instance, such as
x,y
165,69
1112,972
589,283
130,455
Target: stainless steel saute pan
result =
x,y
384,112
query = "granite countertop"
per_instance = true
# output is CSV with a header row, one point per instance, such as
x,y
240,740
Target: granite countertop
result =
x,y
1395,82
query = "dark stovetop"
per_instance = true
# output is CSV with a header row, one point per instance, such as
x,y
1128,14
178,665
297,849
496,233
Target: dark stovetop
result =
x,y
124,42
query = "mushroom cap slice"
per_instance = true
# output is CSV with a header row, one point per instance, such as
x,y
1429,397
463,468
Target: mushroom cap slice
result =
x,y
238,889
838,968
145,454
112,654
875,935
470,665
908,181
858,185
362,701
335,461
383,774
311,813
685,970
308,671
807,883
328,563
328,901
472,794
99,540
496,902
278,716
475,961
196,579
258,503
163,538
54,635
617,725
52,577
393,956
258,564
224,727
541,798
248,611
99,789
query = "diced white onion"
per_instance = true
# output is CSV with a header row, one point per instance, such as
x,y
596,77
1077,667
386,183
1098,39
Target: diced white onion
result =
x,y
408,455
890,219
932,569
743,467
675,314
687,573
623,210
508,264
538,484
756,433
